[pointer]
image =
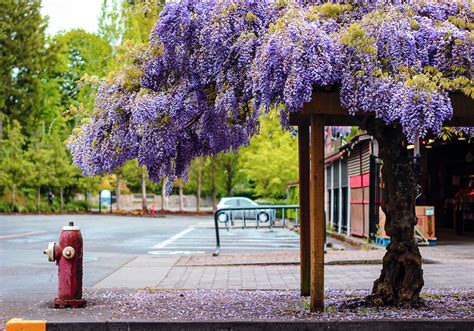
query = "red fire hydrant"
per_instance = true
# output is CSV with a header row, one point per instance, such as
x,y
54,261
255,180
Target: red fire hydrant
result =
x,y
68,256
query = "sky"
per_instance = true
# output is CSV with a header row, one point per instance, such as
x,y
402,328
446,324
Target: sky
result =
x,y
71,14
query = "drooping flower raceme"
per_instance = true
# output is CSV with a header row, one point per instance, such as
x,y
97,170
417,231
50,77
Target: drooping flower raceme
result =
x,y
213,65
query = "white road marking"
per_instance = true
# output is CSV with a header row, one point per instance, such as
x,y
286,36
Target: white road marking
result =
x,y
174,252
173,238
239,247
19,235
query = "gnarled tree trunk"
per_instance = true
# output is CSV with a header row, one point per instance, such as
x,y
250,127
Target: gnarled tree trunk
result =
x,y
401,278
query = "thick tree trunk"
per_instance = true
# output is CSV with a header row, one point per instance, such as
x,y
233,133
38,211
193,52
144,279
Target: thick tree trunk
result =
x,y
143,184
181,207
117,192
198,193
38,200
401,278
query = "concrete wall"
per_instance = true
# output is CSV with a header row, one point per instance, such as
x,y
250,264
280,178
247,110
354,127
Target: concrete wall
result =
x,y
134,201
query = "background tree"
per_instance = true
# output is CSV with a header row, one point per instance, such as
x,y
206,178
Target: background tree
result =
x,y
271,159
16,168
227,167
111,21
40,157
22,55
195,179
79,53
63,170
139,17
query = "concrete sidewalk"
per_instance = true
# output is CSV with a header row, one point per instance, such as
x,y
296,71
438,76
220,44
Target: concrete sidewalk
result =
x,y
260,291
445,267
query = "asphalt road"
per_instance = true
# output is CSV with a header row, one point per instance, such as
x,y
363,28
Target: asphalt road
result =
x,y
109,243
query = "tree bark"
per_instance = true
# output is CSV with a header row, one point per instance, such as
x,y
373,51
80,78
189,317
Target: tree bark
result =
x,y
401,278
143,184
198,193
180,183
117,192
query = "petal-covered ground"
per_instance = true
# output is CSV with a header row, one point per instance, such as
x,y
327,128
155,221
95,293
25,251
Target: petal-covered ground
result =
x,y
193,305
240,305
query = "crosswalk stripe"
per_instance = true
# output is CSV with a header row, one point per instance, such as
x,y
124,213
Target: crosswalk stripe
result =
x,y
197,240
233,247
173,238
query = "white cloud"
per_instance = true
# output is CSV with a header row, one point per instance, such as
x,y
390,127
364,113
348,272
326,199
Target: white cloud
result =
x,y
71,14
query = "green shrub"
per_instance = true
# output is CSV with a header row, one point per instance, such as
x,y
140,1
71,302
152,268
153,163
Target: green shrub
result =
x,y
4,206
77,205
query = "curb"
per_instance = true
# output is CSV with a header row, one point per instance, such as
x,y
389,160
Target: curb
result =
x,y
385,325
359,243
336,262
18,324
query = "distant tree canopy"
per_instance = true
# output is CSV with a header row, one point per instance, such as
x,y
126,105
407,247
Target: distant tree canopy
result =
x,y
22,61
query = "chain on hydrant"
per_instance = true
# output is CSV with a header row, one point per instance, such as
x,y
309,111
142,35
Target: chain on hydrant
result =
x,y
68,256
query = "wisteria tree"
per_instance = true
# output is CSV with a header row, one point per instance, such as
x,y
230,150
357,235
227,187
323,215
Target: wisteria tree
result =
x,y
212,66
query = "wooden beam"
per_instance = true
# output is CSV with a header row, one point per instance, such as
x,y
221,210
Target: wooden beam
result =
x,y
317,214
305,235
329,120
328,106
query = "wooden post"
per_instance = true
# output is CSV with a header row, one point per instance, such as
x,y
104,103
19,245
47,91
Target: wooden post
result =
x,y
317,214
305,239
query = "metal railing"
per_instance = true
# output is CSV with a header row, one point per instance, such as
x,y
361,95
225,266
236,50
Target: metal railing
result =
x,y
259,210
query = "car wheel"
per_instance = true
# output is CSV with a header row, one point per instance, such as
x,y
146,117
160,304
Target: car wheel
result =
x,y
222,217
263,217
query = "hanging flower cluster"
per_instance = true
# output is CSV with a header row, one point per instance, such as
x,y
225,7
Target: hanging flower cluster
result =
x,y
213,65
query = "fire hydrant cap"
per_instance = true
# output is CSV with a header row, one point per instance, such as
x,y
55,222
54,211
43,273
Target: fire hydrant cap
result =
x,y
71,228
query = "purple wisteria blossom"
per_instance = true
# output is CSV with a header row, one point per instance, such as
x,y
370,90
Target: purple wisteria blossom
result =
x,y
213,65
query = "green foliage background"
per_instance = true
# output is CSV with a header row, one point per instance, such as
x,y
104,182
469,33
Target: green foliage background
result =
x,y
47,85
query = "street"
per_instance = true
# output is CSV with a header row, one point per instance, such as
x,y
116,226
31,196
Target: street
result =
x,y
176,252
112,241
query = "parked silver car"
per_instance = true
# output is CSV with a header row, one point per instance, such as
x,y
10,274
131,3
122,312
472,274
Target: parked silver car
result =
x,y
263,215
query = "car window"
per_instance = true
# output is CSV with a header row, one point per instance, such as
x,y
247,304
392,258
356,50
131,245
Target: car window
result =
x,y
231,203
245,203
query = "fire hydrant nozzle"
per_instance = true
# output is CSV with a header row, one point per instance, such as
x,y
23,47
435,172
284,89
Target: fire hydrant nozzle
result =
x,y
50,252
67,254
